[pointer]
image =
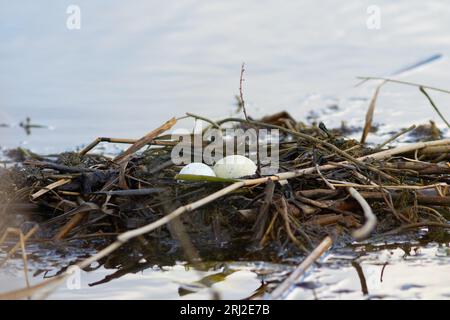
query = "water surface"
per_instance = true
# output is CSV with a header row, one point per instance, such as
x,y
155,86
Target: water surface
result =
x,y
132,66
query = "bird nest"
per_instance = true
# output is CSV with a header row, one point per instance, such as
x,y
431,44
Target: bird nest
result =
x,y
326,185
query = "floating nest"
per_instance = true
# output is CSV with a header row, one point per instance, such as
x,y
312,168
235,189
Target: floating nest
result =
x,y
327,185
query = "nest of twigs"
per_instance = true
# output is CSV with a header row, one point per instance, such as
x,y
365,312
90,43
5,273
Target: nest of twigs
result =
x,y
323,176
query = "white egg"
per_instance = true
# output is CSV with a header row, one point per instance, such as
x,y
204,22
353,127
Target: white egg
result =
x,y
235,166
198,169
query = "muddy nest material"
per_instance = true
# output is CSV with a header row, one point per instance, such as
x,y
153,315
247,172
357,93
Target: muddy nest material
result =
x,y
317,192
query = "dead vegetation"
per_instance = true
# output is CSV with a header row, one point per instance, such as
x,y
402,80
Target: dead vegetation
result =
x,y
328,187
79,195
87,197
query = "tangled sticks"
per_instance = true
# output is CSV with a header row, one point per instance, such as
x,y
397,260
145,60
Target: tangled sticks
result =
x,y
94,195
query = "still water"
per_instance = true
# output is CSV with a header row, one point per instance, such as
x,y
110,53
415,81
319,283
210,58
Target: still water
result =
x,y
131,67
395,270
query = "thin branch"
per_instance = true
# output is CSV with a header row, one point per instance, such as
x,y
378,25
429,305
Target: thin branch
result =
x,y
241,90
434,106
370,112
284,213
301,269
329,185
18,244
395,136
51,186
371,219
24,258
144,140
241,96
406,83
212,122
94,143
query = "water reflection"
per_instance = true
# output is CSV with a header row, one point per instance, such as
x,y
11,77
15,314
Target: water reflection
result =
x,y
418,271
177,282
384,271
362,278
